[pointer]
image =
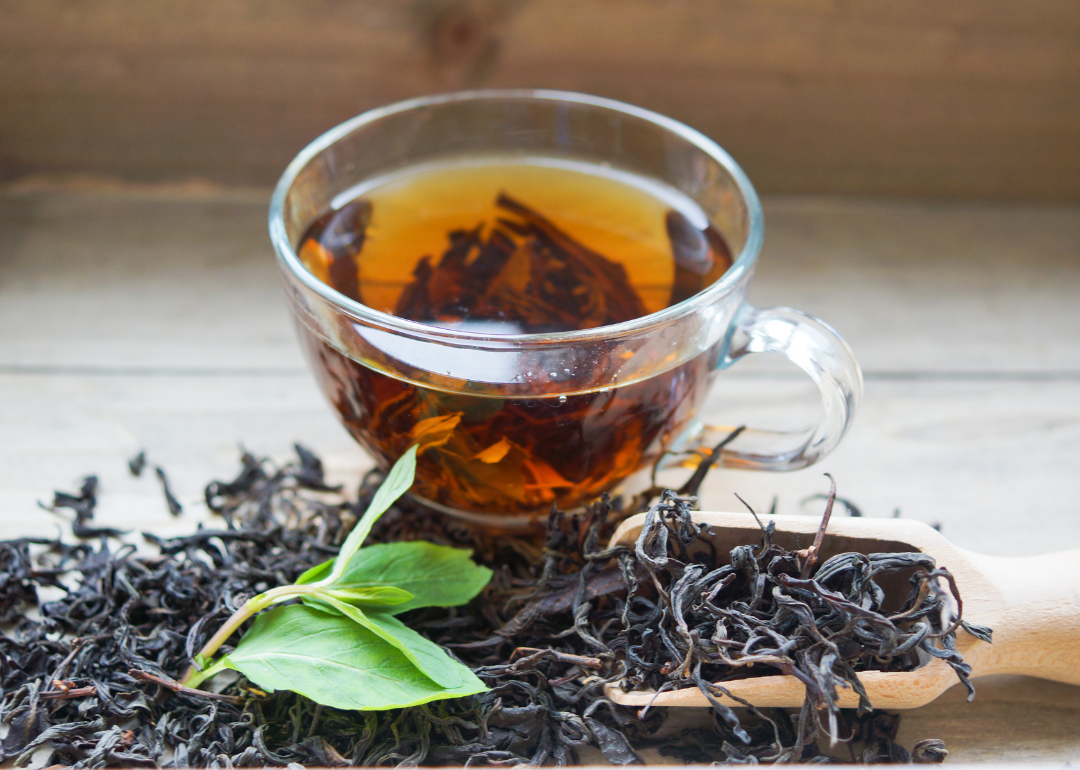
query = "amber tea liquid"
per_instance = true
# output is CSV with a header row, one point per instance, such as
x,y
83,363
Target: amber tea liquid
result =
x,y
513,246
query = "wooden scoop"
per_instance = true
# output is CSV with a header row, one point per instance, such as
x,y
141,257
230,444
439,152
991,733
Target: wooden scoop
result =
x,y
1031,603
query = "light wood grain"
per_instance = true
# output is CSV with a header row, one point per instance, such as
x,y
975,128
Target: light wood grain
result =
x,y
1009,494
190,283
129,281
1012,719
55,429
990,462
962,98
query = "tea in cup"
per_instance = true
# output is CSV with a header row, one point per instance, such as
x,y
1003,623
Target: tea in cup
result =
x,y
536,288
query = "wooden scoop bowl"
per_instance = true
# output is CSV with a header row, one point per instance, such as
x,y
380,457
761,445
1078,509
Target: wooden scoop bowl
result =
x,y
1031,603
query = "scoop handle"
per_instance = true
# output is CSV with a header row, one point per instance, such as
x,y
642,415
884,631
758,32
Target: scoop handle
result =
x,y
1036,627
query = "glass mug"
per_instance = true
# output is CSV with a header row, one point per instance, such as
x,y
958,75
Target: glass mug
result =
x,y
510,424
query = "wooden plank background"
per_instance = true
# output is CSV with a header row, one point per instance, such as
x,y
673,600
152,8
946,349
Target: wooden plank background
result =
x,y
138,319
964,98
154,319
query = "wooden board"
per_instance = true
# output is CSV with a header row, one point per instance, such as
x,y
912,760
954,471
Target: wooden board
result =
x,y
153,319
132,307
189,283
968,97
1010,493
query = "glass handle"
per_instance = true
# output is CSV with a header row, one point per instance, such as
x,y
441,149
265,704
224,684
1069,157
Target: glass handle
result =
x,y
819,351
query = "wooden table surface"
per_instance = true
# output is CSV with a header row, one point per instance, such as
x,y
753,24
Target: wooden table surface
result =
x,y
152,318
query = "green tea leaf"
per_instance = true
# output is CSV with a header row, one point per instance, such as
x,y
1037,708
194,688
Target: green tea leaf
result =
x,y
427,656
316,573
396,484
370,596
434,661
334,661
436,575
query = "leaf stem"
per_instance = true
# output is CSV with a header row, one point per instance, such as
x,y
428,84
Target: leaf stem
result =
x,y
252,606
191,687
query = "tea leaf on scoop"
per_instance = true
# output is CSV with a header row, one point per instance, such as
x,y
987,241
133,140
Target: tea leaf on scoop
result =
x,y
333,661
436,575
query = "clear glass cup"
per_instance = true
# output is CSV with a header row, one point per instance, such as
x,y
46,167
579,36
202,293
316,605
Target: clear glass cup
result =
x,y
688,343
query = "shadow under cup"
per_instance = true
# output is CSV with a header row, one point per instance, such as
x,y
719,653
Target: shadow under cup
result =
x,y
510,424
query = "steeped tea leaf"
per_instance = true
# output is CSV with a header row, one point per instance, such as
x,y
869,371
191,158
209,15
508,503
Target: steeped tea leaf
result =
x,y
333,661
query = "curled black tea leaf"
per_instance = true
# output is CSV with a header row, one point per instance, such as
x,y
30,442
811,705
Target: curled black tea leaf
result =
x,y
137,463
170,499
929,751
83,505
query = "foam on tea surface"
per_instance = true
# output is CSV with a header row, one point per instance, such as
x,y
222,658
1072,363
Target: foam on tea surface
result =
x,y
515,246
507,247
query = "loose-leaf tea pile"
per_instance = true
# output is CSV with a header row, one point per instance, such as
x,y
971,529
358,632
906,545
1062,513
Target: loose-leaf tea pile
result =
x,y
93,679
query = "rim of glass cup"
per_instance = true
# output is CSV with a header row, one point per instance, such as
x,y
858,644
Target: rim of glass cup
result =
x,y
688,306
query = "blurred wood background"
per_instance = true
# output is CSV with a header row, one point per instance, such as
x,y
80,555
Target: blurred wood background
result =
x,y
974,98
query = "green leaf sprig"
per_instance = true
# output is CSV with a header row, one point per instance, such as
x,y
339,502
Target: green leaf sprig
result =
x,y
342,645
